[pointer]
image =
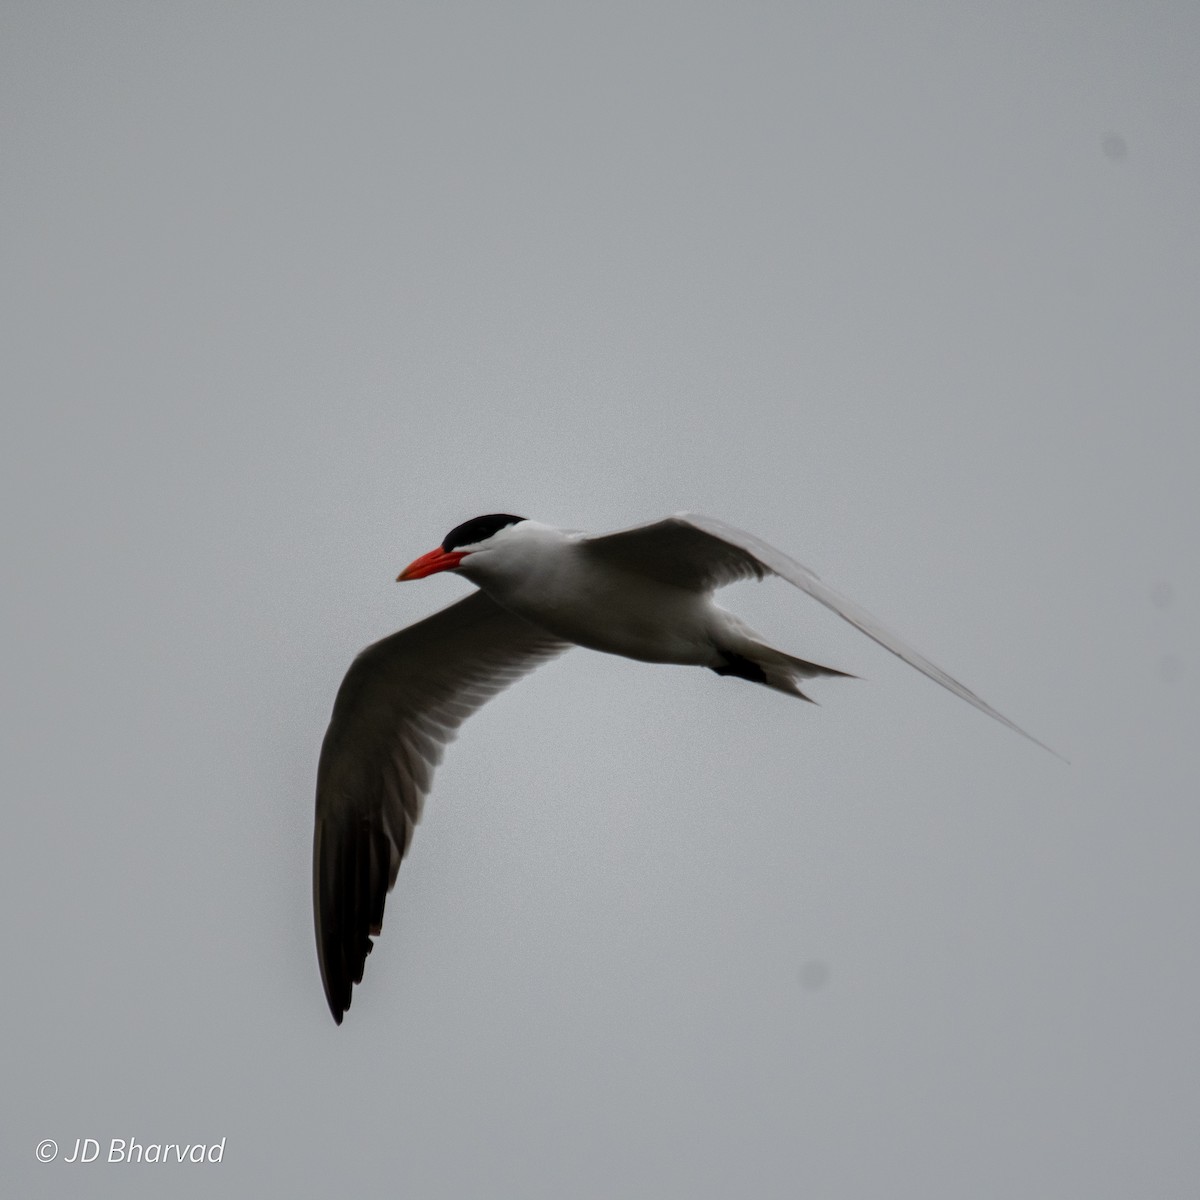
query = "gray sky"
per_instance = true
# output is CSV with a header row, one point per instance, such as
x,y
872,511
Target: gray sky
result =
x,y
912,291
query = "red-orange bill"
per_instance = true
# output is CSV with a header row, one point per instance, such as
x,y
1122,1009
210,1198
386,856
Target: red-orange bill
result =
x,y
431,563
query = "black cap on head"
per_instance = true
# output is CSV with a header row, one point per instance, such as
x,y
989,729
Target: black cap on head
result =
x,y
478,529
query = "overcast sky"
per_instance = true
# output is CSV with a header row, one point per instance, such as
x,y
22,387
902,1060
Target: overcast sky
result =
x,y
912,291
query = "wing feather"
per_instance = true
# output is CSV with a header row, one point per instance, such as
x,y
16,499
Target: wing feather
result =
x,y
676,551
401,702
702,553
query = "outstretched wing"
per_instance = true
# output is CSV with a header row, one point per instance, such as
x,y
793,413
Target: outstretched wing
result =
x,y
702,553
400,703
678,551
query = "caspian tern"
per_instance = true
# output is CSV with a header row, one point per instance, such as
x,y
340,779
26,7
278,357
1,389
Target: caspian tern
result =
x,y
644,593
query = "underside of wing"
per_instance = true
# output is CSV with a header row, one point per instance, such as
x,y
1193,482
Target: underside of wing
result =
x,y
401,702
777,563
678,552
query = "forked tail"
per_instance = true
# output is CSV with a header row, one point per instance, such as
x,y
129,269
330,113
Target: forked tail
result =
x,y
760,663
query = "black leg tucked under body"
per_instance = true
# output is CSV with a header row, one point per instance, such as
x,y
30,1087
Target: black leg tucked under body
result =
x,y
741,667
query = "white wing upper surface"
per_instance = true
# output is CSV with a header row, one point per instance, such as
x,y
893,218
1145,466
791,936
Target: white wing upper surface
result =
x,y
701,553
401,702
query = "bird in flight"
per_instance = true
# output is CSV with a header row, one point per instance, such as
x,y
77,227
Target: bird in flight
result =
x,y
644,593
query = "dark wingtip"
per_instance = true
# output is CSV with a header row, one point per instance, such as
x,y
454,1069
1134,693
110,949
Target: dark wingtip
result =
x,y
350,890
337,996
